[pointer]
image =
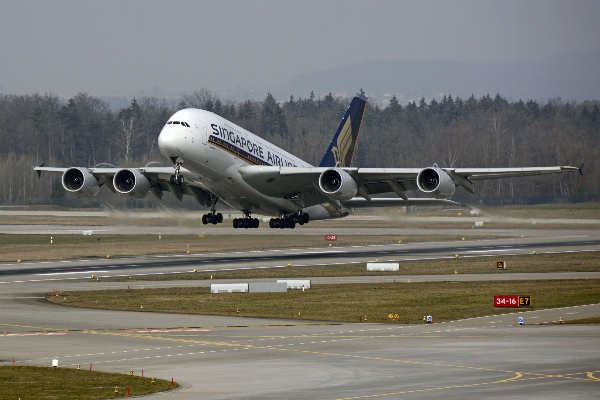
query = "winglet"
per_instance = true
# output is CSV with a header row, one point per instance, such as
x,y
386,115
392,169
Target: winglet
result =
x,y
39,172
581,171
341,149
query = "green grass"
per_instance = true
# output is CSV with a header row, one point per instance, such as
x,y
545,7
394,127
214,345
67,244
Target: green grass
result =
x,y
446,301
68,384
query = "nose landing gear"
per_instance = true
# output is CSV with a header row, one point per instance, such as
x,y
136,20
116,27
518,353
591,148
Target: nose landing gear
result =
x,y
177,179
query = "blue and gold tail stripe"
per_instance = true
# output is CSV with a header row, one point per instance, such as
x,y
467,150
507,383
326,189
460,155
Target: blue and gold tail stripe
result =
x,y
343,145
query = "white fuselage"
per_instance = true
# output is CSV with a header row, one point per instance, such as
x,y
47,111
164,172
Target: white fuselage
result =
x,y
213,149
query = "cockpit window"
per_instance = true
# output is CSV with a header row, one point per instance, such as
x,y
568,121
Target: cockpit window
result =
x,y
178,122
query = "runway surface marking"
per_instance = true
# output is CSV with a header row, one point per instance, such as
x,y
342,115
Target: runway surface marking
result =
x,y
591,375
262,267
517,376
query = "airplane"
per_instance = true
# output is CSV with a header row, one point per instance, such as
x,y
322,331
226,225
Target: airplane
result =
x,y
216,161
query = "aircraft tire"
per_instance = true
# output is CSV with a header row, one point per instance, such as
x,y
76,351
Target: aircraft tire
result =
x,y
204,219
235,223
272,223
256,223
219,218
305,218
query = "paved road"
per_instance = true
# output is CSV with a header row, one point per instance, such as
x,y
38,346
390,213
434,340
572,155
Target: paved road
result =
x,y
245,358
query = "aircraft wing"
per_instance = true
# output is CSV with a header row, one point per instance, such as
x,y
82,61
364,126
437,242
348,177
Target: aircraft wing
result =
x,y
494,173
159,178
358,202
278,181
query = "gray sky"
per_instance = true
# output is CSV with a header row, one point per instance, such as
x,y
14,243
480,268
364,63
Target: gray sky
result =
x,y
121,47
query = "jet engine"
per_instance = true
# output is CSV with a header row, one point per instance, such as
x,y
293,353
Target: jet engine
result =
x,y
337,184
436,182
80,182
132,183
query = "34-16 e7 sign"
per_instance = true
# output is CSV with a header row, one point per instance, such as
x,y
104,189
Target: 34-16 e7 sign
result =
x,y
512,301
330,237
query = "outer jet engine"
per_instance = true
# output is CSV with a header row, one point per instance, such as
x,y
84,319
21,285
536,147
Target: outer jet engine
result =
x,y
436,182
80,182
337,184
132,183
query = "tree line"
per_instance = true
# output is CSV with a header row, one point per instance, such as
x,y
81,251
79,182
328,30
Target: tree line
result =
x,y
452,132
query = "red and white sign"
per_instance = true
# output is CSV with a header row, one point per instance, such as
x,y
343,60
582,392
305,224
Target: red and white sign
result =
x,y
330,237
506,301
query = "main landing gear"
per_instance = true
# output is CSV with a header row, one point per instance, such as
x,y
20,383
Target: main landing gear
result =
x,y
212,218
288,222
246,222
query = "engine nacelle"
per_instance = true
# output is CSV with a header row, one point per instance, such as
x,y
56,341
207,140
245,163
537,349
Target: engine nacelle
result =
x,y
132,183
337,184
80,182
436,182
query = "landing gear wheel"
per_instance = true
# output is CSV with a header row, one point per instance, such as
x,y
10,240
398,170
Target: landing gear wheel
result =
x,y
219,218
205,219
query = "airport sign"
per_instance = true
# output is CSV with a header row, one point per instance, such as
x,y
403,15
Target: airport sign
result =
x,y
330,237
512,301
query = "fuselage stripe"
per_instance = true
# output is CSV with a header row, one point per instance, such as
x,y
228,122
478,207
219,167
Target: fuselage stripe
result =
x,y
236,151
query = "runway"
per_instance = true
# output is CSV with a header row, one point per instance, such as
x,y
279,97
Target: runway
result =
x,y
250,358
66,270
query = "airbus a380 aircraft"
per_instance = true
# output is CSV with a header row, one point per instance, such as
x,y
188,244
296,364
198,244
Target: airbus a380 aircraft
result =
x,y
218,161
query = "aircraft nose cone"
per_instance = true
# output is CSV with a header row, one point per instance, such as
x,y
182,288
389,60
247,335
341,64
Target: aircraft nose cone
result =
x,y
167,143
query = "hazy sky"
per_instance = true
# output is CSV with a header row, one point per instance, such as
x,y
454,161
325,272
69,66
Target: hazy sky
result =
x,y
121,47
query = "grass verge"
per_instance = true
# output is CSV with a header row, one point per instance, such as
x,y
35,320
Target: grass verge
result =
x,y
68,384
446,301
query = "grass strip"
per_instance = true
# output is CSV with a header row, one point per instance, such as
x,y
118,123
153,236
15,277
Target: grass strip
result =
x,y
27,382
446,301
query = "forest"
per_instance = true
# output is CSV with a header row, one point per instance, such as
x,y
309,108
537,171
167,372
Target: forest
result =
x,y
452,132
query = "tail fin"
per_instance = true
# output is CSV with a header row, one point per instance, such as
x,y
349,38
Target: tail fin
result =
x,y
341,149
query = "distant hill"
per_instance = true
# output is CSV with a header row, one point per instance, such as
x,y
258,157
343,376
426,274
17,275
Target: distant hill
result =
x,y
572,76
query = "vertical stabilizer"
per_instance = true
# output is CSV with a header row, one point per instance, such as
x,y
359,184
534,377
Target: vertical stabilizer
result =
x,y
341,149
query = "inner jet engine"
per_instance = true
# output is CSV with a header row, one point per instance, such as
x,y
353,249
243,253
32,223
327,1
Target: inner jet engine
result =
x,y
436,182
80,182
337,184
132,183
